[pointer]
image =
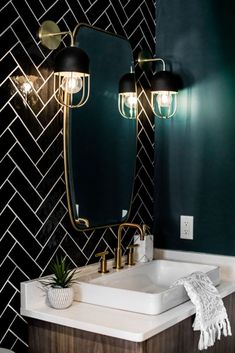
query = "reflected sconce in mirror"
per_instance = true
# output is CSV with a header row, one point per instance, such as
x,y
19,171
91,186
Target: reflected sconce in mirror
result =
x,y
164,87
71,67
127,96
26,86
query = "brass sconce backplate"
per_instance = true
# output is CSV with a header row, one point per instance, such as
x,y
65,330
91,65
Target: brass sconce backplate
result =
x,y
49,35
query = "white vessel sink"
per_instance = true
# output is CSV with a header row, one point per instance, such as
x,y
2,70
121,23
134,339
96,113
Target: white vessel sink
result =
x,y
143,288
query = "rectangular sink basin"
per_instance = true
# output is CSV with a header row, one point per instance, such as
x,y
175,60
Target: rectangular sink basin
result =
x,y
143,288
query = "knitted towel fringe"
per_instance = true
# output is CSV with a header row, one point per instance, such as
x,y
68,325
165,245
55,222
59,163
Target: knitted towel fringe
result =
x,y
208,337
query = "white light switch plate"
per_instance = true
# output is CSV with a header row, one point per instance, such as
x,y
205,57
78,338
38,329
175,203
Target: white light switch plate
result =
x,y
186,227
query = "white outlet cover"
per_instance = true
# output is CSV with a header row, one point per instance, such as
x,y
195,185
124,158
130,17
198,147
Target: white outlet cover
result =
x,y
186,227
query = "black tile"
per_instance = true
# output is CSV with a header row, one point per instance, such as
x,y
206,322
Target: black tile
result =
x,y
7,116
6,167
133,22
26,13
7,41
55,13
148,11
27,265
25,238
25,59
7,293
135,37
7,267
25,213
130,9
6,244
25,189
78,8
25,164
119,11
50,225
103,21
31,122
51,246
74,252
36,7
20,327
5,321
15,302
7,65
5,94
7,16
96,10
51,154
147,31
52,199
116,22
6,218
6,142
50,133
51,177
6,192
26,140
79,238
17,277
47,3
20,346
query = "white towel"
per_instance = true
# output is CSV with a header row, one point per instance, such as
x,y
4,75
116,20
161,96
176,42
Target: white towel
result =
x,y
211,316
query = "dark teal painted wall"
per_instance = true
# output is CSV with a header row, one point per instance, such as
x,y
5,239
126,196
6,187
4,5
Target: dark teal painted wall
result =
x,y
195,151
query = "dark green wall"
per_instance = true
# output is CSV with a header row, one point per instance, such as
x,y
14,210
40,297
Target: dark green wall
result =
x,y
195,151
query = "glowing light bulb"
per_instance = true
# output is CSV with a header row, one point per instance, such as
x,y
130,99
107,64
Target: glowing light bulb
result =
x,y
26,87
72,84
130,100
164,99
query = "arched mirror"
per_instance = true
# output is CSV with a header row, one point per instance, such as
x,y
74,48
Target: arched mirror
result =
x,y
100,145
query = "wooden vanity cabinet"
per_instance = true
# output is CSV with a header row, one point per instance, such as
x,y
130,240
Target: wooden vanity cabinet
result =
x,y
45,337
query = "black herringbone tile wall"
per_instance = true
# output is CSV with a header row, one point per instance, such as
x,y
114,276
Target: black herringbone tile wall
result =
x,y
34,223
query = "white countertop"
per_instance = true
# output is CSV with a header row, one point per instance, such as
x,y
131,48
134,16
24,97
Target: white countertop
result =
x,y
106,321
118,323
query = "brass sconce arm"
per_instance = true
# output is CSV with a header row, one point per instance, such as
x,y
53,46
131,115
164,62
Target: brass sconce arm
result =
x,y
71,66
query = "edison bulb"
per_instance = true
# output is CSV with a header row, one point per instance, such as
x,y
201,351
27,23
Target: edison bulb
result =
x,y
164,99
72,84
130,100
26,87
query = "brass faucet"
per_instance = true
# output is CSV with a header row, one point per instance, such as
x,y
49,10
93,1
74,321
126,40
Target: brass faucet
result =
x,y
118,254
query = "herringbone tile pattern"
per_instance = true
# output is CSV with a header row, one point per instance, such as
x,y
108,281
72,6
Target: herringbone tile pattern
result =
x,y
34,223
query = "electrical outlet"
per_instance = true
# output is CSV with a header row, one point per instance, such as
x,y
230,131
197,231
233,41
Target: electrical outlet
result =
x,y
186,227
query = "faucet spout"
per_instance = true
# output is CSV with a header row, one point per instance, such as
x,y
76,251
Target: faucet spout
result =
x,y
118,255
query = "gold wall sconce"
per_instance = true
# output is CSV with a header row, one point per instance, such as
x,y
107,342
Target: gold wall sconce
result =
x,y
127,97
164,87
164,90
71,66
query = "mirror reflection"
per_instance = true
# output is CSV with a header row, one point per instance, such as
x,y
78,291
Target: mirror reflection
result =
x,y
100,145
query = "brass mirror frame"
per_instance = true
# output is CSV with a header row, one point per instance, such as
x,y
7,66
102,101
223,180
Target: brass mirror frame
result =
x,y
83,221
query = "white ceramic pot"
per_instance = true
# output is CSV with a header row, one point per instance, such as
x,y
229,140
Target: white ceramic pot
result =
x,y
60,298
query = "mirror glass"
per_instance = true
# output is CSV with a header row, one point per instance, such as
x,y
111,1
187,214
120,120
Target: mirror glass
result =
x,y
100,144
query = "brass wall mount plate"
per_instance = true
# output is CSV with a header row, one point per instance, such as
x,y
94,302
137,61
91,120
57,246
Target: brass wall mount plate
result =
x,y
49,35
145,60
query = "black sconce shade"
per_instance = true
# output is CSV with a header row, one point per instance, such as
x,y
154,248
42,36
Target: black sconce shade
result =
x,y
127,83
72,59
165,81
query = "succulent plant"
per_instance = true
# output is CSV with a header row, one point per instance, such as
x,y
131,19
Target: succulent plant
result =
x,y
62,275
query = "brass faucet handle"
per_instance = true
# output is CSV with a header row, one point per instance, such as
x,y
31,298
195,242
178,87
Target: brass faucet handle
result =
x,y
103,262
130,255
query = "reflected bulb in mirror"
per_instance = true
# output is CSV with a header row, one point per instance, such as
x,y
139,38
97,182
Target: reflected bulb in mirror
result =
x,y
26,87
71,84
